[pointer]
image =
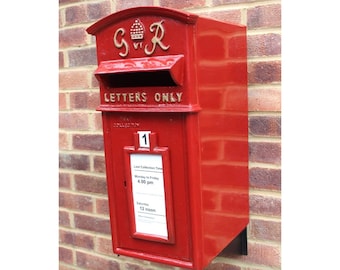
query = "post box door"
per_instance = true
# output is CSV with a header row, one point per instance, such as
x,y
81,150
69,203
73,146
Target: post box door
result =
x,y
146,140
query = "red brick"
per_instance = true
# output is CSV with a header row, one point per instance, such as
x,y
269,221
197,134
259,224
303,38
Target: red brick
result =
x,y
99,164
61,2
96,11
163,266
66,267
65,255
90,223
130,266
88,142
264,72
223,2
64,180
132,3
182,4
92,262
104,246
265,152
61,60
61,18
222,266
72,37
98,122
265,126
264,16
73,79
94,81
82,57
264,45
90,184
78,100
76,239
73,121
75,202
102,206
93,100
74,162
265,230
262,205
75,14
84,100
264,100
264,178
262,254
62,101
259,256
64,219
229,16
63,141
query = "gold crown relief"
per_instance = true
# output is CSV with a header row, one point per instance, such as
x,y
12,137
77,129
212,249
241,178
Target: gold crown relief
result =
x,y
137,30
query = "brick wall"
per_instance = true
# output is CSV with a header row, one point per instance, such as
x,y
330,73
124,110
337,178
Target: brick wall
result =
x,y
84,230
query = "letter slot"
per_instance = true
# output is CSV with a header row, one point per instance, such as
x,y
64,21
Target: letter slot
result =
x,y
142,72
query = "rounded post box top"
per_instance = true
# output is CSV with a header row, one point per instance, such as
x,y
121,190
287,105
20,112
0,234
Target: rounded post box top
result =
x,y
185,17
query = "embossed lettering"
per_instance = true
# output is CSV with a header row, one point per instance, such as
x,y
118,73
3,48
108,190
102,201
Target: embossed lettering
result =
x,y
137,97
179,96
137,44
106,98
158,28
122,43
125,124
168,97
137,35
142,97
157,97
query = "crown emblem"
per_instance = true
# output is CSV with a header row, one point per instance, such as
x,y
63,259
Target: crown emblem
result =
x,y
137,30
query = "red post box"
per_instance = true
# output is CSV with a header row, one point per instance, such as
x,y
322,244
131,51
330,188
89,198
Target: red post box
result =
x,y
173,90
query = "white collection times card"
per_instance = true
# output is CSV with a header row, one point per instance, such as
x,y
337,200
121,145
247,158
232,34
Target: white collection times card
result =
x,y
148,194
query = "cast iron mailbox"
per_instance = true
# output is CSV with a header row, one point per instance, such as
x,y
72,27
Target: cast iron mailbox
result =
x,y
173,97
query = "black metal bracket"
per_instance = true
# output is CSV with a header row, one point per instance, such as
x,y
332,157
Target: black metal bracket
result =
x,y
238,246
244,242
